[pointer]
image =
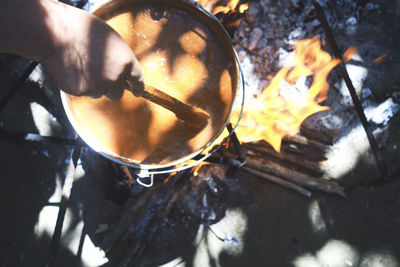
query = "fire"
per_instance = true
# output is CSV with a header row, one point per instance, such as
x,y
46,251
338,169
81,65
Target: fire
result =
x,y
231,6
380,58
195,169
282,107
350,52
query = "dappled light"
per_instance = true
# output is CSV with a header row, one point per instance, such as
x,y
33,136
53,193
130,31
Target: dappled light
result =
x,y
48,215
218,213
338,253
45,123
379,258
343,157
178,262
226,236
317,221
335,253
72,229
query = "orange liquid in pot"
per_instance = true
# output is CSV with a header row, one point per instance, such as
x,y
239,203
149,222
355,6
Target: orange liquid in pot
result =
x,y
182,55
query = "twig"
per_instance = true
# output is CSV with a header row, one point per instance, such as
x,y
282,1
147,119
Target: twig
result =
x,y
301,140
295,176
279,181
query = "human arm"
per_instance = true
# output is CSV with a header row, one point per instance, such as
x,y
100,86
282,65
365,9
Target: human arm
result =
x,y
81,52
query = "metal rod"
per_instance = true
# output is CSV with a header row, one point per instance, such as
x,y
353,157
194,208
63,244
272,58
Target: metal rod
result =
x,y
66,192
14,89
236,144
81,243
357,104
18,137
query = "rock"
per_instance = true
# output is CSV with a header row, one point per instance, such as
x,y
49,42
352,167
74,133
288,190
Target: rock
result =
x,y
265,51
254,11
255,36
351,21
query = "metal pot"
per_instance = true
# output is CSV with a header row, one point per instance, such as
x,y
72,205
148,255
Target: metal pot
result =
x,y
194,35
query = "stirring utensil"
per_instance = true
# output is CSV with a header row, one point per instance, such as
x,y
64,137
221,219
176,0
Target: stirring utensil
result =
x,y
193,116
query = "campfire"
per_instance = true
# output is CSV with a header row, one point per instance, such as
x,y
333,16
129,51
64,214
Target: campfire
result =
x,y
270,141
279,135
287,102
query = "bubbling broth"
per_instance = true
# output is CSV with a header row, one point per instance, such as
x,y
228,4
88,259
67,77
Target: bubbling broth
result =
x,y
182,55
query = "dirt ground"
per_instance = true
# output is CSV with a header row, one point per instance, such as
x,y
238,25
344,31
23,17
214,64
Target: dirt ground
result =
x,y
251,222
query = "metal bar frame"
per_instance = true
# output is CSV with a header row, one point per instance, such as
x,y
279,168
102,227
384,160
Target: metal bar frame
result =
x,y
356,101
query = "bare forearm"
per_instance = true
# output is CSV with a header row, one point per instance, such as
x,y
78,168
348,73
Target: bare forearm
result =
x,y
82,53
23,28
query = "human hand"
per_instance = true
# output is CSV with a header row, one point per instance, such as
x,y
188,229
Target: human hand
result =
x,y
87,57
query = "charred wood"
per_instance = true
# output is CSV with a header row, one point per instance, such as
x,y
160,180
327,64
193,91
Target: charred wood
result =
x,y
289,158
324,136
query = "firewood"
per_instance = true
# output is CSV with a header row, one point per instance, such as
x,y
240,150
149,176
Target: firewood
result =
x,y
324,136
301,140
299,178
279,181
284,156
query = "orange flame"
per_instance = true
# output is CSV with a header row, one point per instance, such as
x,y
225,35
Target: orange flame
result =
x,y
380,58
231,6
350,52
195,169
281,108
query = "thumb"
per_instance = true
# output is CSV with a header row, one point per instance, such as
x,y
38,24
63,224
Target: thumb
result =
x,y
135,79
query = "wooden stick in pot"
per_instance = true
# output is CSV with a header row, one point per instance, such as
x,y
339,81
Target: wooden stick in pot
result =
x,y
193,116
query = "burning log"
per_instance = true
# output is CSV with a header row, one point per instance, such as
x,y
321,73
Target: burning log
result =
x,y
324,136
294,146
292,158
287,168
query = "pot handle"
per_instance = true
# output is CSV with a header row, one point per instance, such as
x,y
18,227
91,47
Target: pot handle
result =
x,y
142,180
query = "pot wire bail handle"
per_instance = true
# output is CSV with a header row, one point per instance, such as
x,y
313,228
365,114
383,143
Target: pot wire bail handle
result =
x,y
145,175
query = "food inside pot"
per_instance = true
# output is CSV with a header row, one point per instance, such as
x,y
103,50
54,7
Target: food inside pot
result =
x,y
184,54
